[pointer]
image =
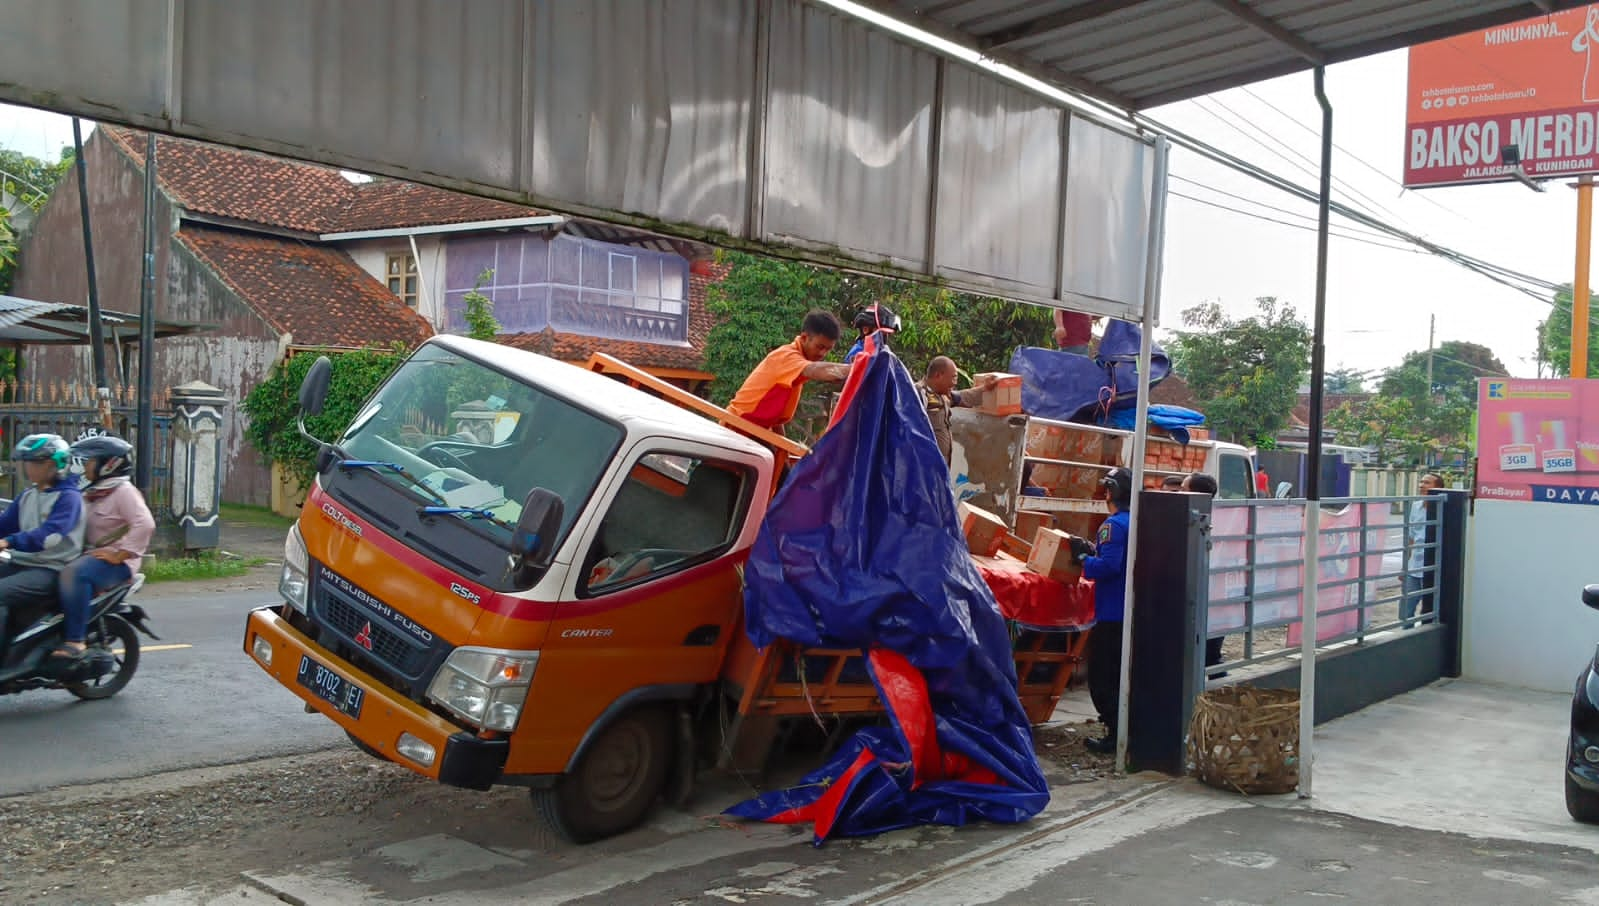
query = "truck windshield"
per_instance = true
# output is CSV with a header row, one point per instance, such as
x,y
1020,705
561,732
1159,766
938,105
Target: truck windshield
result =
x,y
451,431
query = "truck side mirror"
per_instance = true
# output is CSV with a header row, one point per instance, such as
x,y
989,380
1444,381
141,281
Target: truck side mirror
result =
x,y
314,389
533,541
1590,596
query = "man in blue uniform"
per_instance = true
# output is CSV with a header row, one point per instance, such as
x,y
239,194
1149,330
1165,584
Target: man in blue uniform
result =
x,y
1106,564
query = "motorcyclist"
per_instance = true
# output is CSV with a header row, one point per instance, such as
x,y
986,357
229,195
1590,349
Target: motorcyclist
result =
x,y
117,531
43,527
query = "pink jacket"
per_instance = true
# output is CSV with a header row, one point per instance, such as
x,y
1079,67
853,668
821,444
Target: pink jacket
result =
x,y
107,511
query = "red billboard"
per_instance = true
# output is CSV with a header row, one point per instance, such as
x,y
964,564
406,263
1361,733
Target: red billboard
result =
x,y
1533,84
1538,441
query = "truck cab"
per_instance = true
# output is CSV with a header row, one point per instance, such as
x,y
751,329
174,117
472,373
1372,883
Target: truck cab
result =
x,y
509,569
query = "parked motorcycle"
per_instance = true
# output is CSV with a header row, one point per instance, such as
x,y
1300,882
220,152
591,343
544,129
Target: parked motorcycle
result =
x,y
104,669
1582,754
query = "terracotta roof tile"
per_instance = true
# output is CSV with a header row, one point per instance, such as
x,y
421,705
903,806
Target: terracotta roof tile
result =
x,y
316,294
249,187
388,203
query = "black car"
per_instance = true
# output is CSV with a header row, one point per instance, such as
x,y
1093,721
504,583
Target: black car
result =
x,y
1582,755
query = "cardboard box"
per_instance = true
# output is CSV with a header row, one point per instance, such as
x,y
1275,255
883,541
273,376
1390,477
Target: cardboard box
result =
x,y
1028,524
1052,556
1005,398
984,531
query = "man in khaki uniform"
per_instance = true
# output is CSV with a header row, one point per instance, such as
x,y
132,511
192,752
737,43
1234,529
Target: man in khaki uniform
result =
x,y
939,396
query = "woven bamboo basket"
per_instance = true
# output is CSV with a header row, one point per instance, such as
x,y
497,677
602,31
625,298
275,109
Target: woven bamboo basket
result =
x,y
1246,739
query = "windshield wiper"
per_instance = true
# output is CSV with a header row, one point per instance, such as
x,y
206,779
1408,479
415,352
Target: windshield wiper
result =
x,y
397,469
474,512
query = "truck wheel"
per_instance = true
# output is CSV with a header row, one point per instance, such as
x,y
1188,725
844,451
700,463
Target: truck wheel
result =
x,y
1582,804
614,783
366,748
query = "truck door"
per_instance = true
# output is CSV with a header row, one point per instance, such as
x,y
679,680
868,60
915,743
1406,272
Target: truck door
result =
x,y
655,592
1235,478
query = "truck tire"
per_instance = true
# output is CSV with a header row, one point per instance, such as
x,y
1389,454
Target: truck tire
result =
x,y
615,782
1582,804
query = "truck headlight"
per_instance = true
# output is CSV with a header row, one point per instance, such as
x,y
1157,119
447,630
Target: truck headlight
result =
x,y
485,686
294,583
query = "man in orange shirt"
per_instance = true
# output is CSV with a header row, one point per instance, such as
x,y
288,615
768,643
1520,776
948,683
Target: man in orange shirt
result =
x,y
772,391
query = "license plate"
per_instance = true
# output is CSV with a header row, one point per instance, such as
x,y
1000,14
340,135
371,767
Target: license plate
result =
x,y
331,687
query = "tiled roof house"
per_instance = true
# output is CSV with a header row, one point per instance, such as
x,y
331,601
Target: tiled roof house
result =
x,y
281,255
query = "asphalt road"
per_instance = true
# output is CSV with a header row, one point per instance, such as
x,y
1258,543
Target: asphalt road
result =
x,y
195,701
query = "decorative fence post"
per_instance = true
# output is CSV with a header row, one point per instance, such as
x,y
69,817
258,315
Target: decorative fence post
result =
x,y
197,463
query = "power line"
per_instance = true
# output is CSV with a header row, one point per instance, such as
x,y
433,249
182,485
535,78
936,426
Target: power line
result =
x,y
1314,165
1243,198
1289,223
1355,157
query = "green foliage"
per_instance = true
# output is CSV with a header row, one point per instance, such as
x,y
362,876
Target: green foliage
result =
x,y
1554,335
202,566
480,321
759,305
29,179
25,185
1344,381
274,405
1245,373
1456,366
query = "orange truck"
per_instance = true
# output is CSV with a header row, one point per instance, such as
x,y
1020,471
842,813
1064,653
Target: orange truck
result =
x,y
512,570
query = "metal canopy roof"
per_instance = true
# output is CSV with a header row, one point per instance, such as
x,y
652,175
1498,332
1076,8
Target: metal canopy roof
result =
x,y
1140,53
29,323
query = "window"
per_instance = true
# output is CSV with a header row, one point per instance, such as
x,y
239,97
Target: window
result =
x,y
672,512
1237,478
400,268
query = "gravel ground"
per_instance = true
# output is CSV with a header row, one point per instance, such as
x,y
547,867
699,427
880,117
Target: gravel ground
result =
x,y
116,842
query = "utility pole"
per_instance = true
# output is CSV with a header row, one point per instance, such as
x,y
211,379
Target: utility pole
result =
x,y
96,335
1579,287
144,431
1432,327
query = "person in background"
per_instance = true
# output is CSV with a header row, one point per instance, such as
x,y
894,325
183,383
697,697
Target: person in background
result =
x,y
1172,482
1073,331
1417,583
1106,563
43,527
771,393
939,396
1200,483
117,531
868,321
1262,483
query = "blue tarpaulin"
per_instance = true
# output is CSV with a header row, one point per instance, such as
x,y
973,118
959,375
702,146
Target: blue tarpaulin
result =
x,y
1067,387
862,549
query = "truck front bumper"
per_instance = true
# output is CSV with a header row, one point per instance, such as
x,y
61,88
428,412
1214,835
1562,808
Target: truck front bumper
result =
x,y
391,724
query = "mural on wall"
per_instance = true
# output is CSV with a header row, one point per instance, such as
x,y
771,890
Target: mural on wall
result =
x,y
1538,440
570,284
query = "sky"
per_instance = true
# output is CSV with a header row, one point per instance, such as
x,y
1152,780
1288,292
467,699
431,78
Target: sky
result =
x,y
1379,299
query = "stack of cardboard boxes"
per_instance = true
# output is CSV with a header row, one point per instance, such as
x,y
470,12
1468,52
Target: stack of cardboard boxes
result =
x,y
1047,550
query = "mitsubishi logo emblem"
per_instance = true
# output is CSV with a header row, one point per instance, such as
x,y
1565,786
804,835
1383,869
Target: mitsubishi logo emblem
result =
x,y
364,637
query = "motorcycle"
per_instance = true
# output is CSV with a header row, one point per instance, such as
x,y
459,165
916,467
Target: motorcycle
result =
x,y
1582,750
105,667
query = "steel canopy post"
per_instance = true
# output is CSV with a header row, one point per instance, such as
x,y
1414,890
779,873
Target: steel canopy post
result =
x,y
1146,348
144,446
1318,369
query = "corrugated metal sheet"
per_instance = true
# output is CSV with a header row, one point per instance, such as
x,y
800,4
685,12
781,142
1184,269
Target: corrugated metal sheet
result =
x,y
1140,53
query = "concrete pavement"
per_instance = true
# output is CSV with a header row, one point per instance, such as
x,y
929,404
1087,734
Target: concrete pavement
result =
x,y
1450,795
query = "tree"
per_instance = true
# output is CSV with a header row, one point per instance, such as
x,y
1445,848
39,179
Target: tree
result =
x,y
1344,381
1245,373
760,303
480,321
1456,366
1554,335
274,405
25,185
